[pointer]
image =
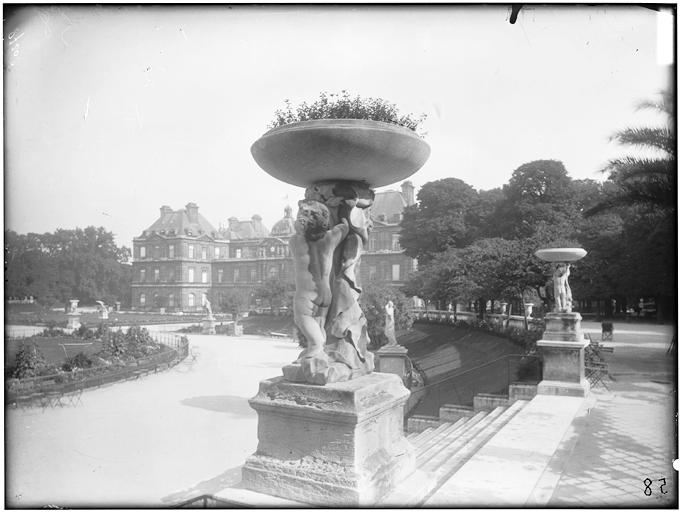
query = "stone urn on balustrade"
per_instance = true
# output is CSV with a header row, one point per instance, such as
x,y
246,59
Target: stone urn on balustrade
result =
x,y
330,428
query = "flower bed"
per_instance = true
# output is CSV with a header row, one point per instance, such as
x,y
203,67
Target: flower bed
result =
x,y
120,356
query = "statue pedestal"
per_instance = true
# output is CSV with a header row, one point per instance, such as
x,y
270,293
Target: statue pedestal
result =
x,y
72,320
208,326
234,329
338,445
392,359
563,348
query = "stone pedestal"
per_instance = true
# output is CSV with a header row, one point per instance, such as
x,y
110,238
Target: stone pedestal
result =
x,y
562,347
338,445
392,359
234,329
72,320
208,326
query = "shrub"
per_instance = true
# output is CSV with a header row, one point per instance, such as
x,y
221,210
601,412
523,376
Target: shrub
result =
x,y
29,362
102,330
343,106
53,332
114,344
80,360
84,332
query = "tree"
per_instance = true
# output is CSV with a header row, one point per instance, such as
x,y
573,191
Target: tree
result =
x,y
538,193
373,300
54,267
446,215
641,188
235,301
648,182
273,291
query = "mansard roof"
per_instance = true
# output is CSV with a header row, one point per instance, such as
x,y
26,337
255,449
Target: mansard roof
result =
x,y
388,207
184,222
245,229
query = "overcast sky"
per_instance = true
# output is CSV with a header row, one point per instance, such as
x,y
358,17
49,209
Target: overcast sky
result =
x,y
113,111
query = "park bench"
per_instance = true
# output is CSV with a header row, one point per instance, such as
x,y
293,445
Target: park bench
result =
x,y
278,335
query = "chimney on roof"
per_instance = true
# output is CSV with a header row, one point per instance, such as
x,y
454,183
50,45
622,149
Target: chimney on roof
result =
x,y
407,191
233,222
192,212
165,211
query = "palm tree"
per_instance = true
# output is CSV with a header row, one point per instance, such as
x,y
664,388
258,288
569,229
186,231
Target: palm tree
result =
x,y
648,182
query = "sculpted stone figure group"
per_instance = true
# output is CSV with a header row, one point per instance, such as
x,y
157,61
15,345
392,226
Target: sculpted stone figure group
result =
x,y
332,227
562,290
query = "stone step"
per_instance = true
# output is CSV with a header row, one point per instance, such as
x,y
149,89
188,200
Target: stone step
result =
x,y
436,445
414,436
443,430
452,463
452,445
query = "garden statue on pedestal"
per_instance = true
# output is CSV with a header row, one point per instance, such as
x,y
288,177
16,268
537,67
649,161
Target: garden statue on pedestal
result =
x,y
208,323
73,316
330,430
389,325
103,310
563,343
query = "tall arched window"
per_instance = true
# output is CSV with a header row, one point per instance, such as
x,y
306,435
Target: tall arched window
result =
x,y
142,299
192,300
171,300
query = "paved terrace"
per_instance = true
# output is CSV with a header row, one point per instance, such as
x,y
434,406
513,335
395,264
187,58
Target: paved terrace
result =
x,y
169,437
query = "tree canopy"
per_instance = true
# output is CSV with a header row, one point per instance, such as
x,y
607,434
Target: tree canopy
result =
x,y
69,263
479,245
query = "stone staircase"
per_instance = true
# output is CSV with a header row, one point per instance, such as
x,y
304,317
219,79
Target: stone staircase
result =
x,y
443,445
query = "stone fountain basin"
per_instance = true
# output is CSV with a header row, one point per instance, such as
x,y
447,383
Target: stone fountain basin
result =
x,y
561,254
371,152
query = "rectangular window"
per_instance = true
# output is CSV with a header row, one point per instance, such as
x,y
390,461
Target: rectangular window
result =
x,y
253,275
171,251
142,275
371,273
156,252
191,274
142,252
204,276
191,251
395,272
220,275
395,242
156,275
217,253
238,253
236,275
204,253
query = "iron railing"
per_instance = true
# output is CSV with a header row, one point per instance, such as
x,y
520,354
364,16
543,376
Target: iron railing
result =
x,y
493,377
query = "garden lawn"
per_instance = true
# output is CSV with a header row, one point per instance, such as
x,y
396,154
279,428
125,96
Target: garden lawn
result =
x,y
56,350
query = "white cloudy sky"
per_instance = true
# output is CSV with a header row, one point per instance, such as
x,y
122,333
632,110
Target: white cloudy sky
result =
x,y
114,111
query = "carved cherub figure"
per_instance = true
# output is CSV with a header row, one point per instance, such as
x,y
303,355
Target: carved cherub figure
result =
x,y
313,246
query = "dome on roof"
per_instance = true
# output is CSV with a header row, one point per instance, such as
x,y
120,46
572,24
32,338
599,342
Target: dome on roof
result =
x,y
285,226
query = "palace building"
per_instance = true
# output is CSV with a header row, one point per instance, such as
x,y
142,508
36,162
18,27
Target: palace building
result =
x,y
182,256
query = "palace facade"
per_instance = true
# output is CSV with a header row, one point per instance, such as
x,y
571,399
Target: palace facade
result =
x,y
182,256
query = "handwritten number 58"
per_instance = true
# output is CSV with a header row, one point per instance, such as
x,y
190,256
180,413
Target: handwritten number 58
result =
x,y
648,486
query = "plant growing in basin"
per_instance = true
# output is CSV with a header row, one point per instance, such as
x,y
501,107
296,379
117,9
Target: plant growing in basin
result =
x,y
343,106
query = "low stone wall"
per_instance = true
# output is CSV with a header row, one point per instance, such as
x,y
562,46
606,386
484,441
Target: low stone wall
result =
x,y
421,423
449,317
